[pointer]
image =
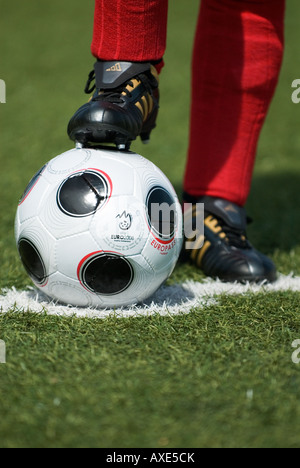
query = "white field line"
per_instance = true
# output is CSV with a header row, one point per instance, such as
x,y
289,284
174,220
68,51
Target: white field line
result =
x,y
168,300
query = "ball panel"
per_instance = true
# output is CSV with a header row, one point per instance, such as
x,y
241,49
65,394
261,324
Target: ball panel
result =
x,y
67,291
58,223
32,201
17,226
32,261
105,273
32,184
161,210
83,193
41,239
69,162
121,226
70,250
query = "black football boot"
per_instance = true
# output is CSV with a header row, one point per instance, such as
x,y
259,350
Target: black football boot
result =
x,y
124,105
225,252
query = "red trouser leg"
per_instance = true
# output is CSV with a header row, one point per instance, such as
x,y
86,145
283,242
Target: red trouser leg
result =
x,y
130,30
237,58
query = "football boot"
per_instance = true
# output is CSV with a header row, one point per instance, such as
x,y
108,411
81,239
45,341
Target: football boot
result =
x,y
124,105
224,251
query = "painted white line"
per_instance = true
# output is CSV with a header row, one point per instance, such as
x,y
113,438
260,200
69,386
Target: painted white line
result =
x,y
168,300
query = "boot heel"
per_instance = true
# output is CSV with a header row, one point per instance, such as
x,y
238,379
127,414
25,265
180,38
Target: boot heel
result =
x,y
149,125
145,137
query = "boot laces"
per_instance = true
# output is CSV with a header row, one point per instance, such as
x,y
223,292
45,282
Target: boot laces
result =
x,y
235,237
116,95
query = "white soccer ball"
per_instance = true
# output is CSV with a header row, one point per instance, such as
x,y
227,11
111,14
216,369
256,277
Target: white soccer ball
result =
x,y
99,228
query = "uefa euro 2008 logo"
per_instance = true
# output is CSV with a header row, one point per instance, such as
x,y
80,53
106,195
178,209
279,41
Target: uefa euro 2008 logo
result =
x,y
2,92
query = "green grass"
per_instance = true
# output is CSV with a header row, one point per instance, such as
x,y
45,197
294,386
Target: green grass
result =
x,y
154,382
218,377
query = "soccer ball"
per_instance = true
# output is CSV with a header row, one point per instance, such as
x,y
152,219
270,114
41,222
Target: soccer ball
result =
x,y
99,228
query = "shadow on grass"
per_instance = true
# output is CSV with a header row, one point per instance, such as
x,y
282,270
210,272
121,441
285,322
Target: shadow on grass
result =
x,y
274,206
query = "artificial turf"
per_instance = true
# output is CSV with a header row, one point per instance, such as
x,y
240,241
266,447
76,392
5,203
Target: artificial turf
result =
x,y
221,376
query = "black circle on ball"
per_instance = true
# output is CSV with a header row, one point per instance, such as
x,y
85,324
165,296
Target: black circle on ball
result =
x,y
82,194
32,261
107,274
31,184
161,212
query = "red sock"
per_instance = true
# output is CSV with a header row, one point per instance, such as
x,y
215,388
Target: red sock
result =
x,y
130,30
237,59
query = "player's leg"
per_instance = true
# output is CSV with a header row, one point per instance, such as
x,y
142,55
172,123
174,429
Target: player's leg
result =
x,y
237,59
129,42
